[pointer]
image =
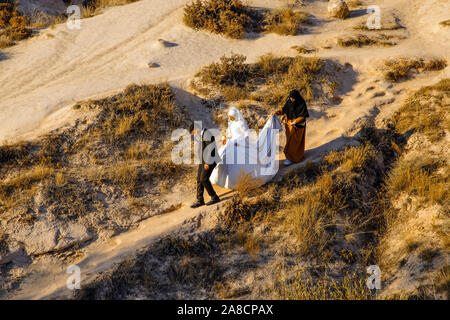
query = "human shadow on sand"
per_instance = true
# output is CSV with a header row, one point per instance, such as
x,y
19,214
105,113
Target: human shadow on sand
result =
x,y
3,56
358,13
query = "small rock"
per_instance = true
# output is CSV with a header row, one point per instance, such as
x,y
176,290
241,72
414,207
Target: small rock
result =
x,y
153,65
163,43
338,9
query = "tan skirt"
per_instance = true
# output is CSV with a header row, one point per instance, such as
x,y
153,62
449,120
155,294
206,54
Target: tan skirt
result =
x,y
295,143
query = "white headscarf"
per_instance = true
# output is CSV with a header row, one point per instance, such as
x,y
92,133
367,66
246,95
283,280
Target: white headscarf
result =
x,y
238,128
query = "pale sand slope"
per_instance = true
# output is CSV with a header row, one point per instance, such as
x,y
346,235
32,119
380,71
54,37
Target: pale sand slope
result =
x,y
46,75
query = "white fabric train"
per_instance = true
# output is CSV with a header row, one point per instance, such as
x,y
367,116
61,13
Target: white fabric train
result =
x,y
247,153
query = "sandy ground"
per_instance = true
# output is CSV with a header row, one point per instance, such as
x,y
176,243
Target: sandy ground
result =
x,y
41,78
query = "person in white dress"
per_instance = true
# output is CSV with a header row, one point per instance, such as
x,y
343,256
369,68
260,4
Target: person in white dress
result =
x,y
247,154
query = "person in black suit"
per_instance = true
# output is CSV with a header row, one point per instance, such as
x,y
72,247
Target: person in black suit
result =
x,y
206,166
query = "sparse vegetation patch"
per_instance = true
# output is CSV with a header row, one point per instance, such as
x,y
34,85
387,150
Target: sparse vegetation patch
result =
x,y
267,82
404,68
229,17
13,25
361,40
103,172
285,21
233,19
313,234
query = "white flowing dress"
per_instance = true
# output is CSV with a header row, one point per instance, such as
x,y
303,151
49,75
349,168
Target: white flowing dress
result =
x,y
246,153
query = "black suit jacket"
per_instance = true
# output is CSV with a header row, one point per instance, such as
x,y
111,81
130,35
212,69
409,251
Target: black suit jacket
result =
x,y
210,157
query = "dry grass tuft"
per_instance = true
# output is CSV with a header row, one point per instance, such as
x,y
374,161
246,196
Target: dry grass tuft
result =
x,y
404,68
424,112
285,21
416,181
228,17
13,25
302,50
92,8
231,71
361,40
247,184
304,287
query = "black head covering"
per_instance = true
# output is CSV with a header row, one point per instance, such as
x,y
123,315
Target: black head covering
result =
x,y
297,108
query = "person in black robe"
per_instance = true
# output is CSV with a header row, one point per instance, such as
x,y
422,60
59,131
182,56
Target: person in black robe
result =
x,y
294,114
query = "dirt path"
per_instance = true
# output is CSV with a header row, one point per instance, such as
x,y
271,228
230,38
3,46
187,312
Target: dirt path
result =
x,y
49,281
43,77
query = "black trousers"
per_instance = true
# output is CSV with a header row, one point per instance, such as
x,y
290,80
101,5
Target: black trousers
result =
x,y
204,183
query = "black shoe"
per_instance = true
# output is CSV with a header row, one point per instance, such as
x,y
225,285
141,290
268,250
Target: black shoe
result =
x,y
214,200
197,204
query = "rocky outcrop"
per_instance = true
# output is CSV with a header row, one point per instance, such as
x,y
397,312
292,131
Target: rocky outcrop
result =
x,y
338,9
45,237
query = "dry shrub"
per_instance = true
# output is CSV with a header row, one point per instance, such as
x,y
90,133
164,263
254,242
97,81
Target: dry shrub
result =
x,y
240,211
247,184
248,241
314,212
270,65
236,213
285,21
342,13
424,112
304,287
41,19
361,40
352,158
389,26
404,68
138,112
416,181
268,80
91,8
228,17
7,11
441,281
300,74
14,25
235,93
230,71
